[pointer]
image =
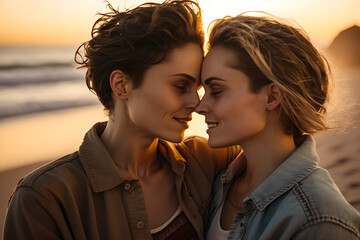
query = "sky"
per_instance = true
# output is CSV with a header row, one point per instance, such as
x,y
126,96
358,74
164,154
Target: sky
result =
x,y
68,22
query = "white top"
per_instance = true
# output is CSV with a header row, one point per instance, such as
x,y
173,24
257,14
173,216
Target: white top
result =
x,y
164,225
215,231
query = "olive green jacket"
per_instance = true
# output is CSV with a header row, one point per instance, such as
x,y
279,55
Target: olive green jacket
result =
x,y
83,196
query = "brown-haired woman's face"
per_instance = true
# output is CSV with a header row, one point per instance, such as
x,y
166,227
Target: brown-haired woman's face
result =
x,y
232,111
167,96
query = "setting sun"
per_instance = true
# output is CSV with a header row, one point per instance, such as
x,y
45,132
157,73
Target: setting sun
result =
x,y
41,22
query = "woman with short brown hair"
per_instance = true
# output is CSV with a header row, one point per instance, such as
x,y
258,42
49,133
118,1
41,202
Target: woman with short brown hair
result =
x,y
134,177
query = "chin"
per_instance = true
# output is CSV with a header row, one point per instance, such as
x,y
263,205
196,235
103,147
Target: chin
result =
x,y
176,138
217,143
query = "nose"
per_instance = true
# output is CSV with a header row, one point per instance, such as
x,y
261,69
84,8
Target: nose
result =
x,y
193,101
202,107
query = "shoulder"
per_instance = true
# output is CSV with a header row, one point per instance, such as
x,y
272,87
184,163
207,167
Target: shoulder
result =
x,y
311,207
323,194
325,230
37,206
323,203
61,173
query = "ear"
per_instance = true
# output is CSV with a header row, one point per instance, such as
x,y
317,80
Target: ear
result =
x,y
120,84
274,96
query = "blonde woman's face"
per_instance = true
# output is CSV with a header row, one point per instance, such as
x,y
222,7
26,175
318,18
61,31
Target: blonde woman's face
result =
x,y
232,112
162,105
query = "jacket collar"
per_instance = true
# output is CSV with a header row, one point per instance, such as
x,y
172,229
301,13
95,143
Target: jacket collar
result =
x,y
102,172
169,151
299,164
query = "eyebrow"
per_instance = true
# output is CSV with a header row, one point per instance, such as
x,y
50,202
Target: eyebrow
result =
x,y
184,75
208,80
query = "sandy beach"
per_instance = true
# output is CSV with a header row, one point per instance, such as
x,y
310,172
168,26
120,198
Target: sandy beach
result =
x,y
30,141
339,148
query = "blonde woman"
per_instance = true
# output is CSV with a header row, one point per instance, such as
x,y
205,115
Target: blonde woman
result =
x,y
266,85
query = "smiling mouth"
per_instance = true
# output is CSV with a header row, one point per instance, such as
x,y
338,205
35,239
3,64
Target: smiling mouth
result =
x,y
183,121
212,124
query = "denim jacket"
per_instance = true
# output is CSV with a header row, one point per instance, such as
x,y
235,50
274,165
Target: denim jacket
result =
x,y
299,200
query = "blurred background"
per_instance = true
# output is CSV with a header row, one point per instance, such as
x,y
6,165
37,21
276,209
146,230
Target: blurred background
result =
x,y
46,108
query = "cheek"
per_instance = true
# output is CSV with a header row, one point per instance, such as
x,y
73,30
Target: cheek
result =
x,y
224,108
153,105
241,112
170,101
164,101
251,116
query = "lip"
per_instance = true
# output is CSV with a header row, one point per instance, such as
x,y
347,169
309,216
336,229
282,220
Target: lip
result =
x,y
183,120
211,125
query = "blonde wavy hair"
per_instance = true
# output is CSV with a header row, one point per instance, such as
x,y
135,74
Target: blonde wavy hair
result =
x,y
268,50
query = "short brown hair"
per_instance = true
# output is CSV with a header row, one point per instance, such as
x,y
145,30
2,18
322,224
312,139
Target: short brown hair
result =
x,y
270,51
134,40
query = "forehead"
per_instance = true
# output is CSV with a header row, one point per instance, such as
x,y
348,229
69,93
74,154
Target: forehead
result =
x,y
186,59
217,61
183,60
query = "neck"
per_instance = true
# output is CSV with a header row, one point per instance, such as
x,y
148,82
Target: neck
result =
x,y
131,149
264,153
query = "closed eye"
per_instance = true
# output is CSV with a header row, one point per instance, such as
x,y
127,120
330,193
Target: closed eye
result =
x,y
182,86
215,90
215,94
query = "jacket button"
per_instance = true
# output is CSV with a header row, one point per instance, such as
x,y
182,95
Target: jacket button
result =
x,y
248,205
180,164
127,186
140,225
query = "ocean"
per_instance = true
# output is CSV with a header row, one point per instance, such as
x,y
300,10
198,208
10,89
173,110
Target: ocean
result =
x,y
37,79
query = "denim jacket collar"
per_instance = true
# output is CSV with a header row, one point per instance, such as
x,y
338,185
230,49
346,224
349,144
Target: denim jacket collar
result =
x,y
300,163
